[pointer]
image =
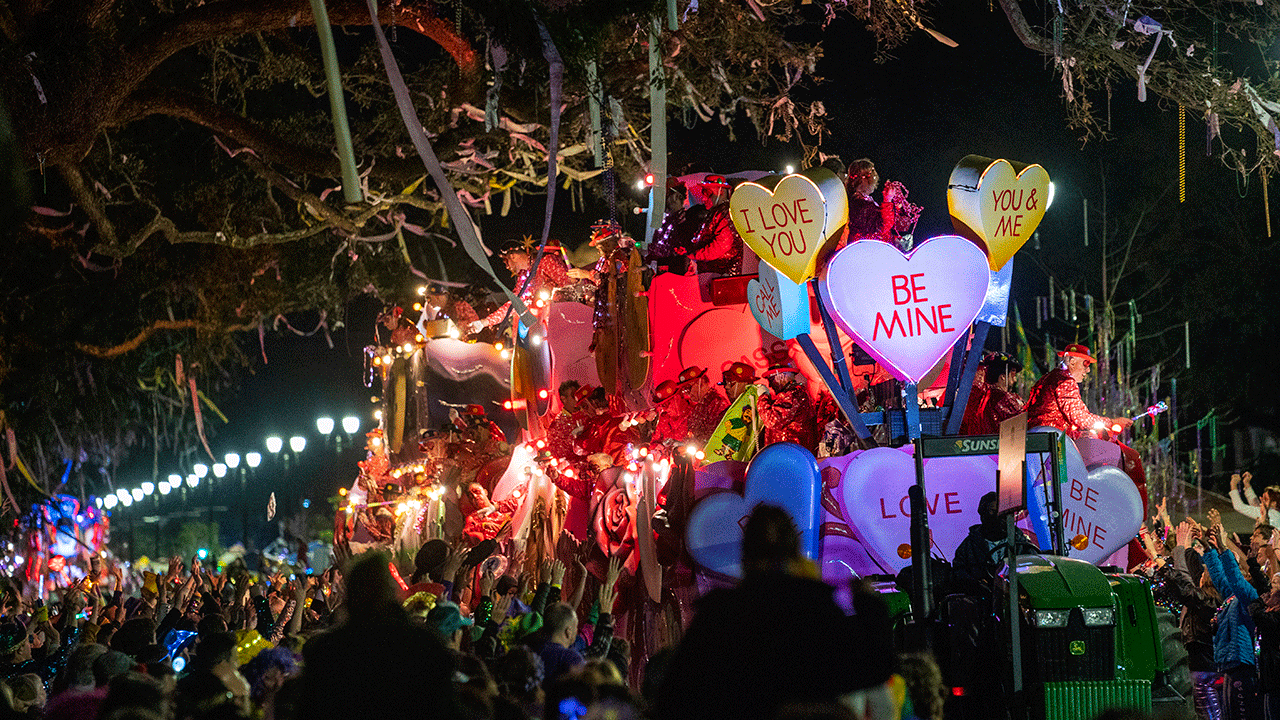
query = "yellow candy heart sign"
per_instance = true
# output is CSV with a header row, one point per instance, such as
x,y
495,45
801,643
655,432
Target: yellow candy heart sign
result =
x,y
997,203
788,220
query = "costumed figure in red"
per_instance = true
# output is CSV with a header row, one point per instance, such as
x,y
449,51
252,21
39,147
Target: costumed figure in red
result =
x,y
484,518
402,331
1055,399
786,413
669,249
891,221
992,402
552,273
706,405
717,248
673,414
442,304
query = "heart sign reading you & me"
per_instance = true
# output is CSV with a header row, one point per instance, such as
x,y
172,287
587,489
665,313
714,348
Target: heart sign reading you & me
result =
x,y
997,203
788,220
907,311
779,305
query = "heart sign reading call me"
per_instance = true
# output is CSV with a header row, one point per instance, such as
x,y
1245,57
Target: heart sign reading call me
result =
x,y
787,221
997,204
907,311
779,305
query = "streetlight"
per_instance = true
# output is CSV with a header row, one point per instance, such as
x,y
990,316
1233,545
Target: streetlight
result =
x,y
148,487
274,444
122,494
164,487
175,481
126,500
233,460
201,470
297,443
193,480
98,502
351,424
219,470
254,459
110,501
137,494
324,425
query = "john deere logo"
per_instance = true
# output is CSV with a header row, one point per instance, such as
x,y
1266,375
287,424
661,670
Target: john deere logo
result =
x,y
1077,647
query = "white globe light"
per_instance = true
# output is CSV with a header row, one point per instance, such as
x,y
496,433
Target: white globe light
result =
x,y
274,444
201,470
175,480
97,502
297,443
192,481
148,487
351,424
164,487
127,500
110,501
122,494
219,470
137,494
254,459
233,460
324,425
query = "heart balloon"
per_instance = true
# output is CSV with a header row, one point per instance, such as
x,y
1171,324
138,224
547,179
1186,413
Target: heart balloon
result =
x,y
997,203
788,220
907,311
1101,505
873,495
779,305
783,474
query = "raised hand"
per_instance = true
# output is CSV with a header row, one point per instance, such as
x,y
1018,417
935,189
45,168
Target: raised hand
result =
x,y
486,582
501,606
557,572
608,591
1247,477
1184,533
1235,480
453,563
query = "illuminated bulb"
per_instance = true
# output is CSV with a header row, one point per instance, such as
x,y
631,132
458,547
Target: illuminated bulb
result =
x,y
386,358
790,169
148,488
1116,427
401,508
1100,425
699,455
417,307
418,337
219,470
377,414
350,424
164,487
122,494
233,459
640,184
377,359
297,443
110,501
540,444
453,333
375,442
192,481
201,470
274,444
254,459
498,346
542,393
407,347
137,494
422,289
342,491
690,449
506,354
569,473
544,295
644,451
97,502
535,340
127,500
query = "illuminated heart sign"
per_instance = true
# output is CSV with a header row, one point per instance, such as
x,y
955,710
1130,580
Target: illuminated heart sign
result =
x,y
997,204
907,311
787,221
874,501
779,305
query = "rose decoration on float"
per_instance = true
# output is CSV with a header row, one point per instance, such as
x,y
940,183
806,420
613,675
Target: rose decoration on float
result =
x,y
613,518
788,220
907,311
997,204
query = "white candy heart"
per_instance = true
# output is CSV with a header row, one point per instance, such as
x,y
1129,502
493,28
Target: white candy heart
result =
x,y
779,305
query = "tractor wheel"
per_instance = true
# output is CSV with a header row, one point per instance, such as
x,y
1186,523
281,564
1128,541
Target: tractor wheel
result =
x,y
1174,681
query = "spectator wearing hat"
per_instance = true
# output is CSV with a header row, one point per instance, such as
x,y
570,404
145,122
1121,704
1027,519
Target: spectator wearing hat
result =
x,y
673,413
445,304
1055,399
706,404
717,248
993,402
446,619
786,413
552,273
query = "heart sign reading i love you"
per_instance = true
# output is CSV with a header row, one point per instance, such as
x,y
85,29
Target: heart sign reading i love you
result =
x,y
788,220
997,203
907,311
779,305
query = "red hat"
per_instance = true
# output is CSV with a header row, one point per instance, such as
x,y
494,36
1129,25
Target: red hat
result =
x,y
582,393
475,410
738,372
665,390
1077,350
689,374
713,179
780,368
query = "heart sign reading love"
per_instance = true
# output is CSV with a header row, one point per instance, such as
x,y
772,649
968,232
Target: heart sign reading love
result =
x,y
997,204
779,305
788,220
907,311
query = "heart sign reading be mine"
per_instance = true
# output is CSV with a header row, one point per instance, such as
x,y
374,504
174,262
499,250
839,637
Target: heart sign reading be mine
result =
x,y
779,305
997,203
788,220
907,311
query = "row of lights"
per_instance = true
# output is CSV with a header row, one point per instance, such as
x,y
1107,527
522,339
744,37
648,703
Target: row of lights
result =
x,y
297,443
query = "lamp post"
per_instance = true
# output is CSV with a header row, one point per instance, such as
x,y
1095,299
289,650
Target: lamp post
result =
x,y
253,460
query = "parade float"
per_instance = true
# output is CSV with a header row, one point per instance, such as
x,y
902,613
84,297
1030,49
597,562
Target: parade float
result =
x,y
581,427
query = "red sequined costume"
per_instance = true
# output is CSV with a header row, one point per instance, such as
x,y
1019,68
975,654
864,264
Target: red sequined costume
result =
x,y
719,248
552,273
673,420
988,408
787,416
1055,402
887,222
705,415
